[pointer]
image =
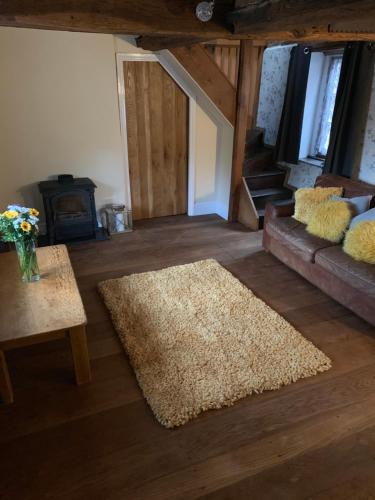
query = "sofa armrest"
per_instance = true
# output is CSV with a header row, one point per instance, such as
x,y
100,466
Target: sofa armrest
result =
x,y
274,211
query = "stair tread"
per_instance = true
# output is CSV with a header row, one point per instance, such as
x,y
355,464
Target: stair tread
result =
x,y
265,173
257,193
264,153
283,202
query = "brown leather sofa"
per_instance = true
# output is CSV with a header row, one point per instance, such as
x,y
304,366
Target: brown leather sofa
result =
x,y
323,263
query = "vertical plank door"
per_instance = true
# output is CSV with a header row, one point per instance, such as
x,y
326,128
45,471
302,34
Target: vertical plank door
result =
x,y
157,130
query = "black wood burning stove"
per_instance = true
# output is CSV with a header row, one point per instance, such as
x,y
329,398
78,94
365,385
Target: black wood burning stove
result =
x,y
69,204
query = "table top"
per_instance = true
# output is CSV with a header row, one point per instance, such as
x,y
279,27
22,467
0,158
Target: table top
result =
x,y
49,305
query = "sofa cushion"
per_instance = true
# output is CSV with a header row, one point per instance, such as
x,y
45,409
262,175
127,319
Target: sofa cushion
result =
x,y
369,215
308,199
358,274
330,220
360,242
293,234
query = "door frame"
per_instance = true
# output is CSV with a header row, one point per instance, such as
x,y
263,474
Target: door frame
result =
x,y
120,59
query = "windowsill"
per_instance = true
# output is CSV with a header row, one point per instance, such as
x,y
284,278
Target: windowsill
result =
x,y
313,161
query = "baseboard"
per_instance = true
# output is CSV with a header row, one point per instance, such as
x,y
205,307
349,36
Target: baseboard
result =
x,y
222,210
204,208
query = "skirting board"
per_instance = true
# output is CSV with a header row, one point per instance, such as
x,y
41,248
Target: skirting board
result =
x,y
211,207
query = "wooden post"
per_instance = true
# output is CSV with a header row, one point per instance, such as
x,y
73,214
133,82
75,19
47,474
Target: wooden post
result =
x,y
80,354
250,67
6,391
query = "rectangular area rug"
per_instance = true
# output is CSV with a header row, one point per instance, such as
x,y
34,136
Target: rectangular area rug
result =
x,y
198,339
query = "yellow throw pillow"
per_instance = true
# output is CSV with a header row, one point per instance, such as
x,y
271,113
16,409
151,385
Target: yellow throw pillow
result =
x,y
307,200
330,220
360,242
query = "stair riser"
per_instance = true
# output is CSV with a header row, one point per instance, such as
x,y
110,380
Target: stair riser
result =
x,y
266,181
254,142
257,164
261,201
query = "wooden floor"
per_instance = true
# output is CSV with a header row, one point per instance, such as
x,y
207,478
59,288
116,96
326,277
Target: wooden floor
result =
x,y
312,439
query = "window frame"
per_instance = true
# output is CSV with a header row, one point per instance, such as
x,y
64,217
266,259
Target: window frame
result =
x,y
328,57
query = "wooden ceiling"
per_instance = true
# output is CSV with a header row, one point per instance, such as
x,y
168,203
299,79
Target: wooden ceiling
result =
x,y
171,23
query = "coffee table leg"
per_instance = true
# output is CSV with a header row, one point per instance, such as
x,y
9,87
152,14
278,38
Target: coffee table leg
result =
x,y
6,390
80,353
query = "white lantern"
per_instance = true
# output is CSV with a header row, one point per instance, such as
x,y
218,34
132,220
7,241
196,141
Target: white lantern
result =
x,y
118,219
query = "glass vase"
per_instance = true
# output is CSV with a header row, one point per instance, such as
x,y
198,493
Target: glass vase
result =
x,y
26,251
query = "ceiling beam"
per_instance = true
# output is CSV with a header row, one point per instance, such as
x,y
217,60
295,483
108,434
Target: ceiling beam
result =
x,y
173,22
155,43
305,19
133,17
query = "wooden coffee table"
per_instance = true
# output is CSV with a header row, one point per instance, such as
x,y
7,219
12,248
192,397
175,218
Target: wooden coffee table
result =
x,y
48,309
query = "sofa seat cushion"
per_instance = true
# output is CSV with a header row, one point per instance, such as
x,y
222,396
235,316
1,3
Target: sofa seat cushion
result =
x,y
358,274
293,234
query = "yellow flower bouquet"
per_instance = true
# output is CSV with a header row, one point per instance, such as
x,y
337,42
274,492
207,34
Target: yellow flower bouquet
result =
x,y
20,226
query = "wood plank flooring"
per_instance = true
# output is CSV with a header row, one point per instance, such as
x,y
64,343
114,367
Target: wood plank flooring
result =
x,y
312,439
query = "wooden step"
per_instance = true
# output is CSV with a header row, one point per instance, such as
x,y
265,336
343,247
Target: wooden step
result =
x,y
263,160
266,179
262,196
254,141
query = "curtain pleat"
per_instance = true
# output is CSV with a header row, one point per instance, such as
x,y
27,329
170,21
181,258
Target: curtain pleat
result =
x,y
290,129
351,110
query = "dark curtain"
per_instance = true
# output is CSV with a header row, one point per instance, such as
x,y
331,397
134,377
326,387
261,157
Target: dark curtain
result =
x,y
351,110
289,136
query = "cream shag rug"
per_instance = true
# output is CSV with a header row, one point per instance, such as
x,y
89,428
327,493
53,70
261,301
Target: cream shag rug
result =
x,y
199,339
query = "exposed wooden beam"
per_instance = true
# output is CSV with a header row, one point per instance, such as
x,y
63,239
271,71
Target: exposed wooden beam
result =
x,y
292,20
251,58
155,43
303,19
159,17
202,68
224,42
338,32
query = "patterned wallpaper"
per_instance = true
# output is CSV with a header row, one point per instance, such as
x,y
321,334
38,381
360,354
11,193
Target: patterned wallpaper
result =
x,y
272,90
367,169
302,175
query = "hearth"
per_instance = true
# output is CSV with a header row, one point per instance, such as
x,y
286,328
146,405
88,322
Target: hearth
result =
x,y
69,204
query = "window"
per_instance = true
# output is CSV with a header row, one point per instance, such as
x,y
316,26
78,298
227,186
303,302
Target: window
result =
x,y
324,76
328,99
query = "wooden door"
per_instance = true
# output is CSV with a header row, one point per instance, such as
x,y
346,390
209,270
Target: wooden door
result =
x,y
157,129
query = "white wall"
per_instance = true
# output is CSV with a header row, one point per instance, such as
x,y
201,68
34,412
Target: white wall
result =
x,y
205,163
59,114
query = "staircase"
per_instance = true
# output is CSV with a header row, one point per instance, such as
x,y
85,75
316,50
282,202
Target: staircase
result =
x,y
265,181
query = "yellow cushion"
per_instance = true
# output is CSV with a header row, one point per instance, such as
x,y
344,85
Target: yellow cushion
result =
x,y
330,220
360,242
307,200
